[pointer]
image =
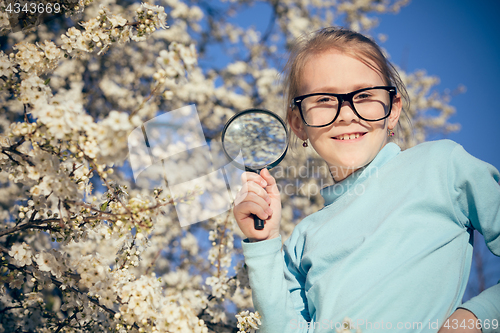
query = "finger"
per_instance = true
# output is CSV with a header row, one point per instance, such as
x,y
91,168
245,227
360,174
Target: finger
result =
x,y
259,190
253,197
249,207
253,188
252,176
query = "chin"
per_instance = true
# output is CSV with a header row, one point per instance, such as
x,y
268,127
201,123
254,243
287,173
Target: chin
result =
x,y
352,162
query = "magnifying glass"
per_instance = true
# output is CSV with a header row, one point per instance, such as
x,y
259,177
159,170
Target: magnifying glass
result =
x,y
255,139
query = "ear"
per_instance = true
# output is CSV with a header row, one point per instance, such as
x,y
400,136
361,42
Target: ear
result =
x,y
397,106
296,123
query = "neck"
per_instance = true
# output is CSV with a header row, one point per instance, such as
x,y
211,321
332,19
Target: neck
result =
x,y
340,173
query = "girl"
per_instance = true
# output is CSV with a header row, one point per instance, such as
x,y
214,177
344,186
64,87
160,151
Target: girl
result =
x,y
392,247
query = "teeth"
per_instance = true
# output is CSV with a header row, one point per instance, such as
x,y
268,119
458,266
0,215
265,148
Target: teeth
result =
x,y
349,136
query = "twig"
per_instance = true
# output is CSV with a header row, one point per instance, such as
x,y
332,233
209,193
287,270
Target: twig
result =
x,y
68,320
133,113
31,224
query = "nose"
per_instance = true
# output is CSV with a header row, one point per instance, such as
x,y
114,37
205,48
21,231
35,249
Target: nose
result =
x,y
346,112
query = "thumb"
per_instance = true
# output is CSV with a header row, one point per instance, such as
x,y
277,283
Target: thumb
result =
x,y
264,173
271,182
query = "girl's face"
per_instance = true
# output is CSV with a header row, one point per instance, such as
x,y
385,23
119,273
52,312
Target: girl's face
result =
x,y
335,72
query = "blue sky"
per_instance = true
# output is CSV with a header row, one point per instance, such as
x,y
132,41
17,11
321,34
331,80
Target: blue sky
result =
x,y
458,41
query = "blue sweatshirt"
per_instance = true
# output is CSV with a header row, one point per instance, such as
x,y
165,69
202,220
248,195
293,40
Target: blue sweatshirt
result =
x,y
391,249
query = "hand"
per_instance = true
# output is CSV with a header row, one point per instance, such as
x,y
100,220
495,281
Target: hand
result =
x,y
461,321
259,196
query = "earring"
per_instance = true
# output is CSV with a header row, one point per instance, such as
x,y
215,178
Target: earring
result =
x,y
390,133
305,144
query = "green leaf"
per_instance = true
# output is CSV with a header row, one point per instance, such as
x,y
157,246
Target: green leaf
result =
x,y
104,206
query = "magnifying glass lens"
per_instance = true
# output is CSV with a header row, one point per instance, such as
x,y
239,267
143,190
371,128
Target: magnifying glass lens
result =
x,y
259,139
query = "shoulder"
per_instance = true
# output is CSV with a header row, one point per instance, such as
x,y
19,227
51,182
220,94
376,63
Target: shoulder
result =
x,y
426,160
433,152
447,155
433,147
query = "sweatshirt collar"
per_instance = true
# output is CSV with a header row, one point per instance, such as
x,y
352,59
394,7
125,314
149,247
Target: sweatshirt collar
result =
x,y
333,192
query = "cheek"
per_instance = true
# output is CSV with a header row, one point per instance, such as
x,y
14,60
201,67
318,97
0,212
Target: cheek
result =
x,y
379,125
316,133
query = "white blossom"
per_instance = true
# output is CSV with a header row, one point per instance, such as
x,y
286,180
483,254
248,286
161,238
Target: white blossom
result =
x,y
21,254
248,321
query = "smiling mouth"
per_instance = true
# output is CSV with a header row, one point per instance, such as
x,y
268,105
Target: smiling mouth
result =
x,y
351,136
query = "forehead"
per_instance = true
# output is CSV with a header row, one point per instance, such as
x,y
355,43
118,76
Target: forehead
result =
x,y
338,72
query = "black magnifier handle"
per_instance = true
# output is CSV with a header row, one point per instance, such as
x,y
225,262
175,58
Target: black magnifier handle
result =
x,y
258,223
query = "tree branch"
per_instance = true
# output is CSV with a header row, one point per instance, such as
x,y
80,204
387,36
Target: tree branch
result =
x,y
58,284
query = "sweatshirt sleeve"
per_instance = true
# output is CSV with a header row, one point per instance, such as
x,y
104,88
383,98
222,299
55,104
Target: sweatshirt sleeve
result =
x,y
475,192
277,287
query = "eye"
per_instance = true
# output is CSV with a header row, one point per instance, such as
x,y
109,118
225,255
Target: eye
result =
x,y
325,99
363,95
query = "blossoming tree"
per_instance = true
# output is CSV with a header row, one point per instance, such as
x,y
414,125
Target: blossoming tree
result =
x,y
83,246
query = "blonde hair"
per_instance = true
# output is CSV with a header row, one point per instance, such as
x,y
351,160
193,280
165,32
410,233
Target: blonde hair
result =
x,y
347,42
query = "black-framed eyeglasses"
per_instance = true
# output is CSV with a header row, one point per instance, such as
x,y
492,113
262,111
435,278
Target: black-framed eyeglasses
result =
x,y
322,109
